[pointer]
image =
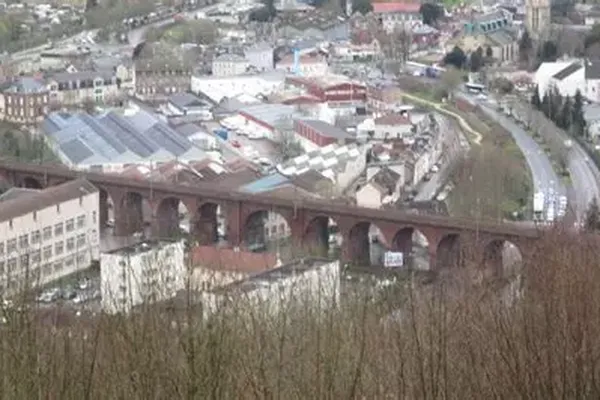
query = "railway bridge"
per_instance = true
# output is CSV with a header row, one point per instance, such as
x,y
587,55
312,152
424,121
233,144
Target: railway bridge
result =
x,y
309,221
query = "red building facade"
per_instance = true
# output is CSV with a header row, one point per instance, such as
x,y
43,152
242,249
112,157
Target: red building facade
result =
x,y
330,92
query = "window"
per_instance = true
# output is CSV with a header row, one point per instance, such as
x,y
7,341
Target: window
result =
x,y
36,237
69,261
10,224
81,240
94,216
81,221
59,248
24,261
70,244
34,213
58,229
58,208
47,233
70,225
12,265
36,257
1,248
11,245
81,259
58,266
2,266
23,241
47,252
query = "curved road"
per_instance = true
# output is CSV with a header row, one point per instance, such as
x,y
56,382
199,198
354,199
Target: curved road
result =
x,y
136,36
583,172
543,174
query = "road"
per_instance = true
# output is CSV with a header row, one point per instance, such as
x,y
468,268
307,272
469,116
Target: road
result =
x,y
137,36
584,173
543,174
455,145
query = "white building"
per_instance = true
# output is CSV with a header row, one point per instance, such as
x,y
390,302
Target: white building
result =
x,y
147,272
306,65
341,164
392,126
47,234
569,76
216,88
229,65
307,283
260,56
382,187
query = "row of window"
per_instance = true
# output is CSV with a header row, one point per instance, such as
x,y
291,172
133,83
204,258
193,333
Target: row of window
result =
x,y
46,234
35,257
31,99
39,271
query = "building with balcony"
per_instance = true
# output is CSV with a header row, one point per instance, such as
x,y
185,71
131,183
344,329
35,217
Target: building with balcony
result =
x,y
144,273
47,234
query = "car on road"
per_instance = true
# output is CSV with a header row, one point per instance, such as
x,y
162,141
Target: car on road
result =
x,y
236,144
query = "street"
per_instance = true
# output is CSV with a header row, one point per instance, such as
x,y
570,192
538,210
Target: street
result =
x,y
455,145
583,172
544,176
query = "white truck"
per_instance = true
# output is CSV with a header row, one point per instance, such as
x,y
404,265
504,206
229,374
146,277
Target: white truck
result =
x,y
539,202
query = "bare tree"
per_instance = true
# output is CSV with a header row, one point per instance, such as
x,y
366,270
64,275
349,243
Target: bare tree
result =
x,y
451,79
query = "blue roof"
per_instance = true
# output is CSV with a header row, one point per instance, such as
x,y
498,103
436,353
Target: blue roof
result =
x,y
266,183
110,137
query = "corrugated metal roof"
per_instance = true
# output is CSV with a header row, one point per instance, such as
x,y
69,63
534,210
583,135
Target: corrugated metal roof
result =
x,y
266,183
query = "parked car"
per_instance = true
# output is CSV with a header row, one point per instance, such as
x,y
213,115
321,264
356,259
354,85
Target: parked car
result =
x,y
236,144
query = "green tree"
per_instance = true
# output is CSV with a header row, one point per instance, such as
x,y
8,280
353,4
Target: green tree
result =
x,y
535,98
546,106
578,119
431,13
556,103
477,61
548,51
564,120
456,58
525,47
592,217
362,6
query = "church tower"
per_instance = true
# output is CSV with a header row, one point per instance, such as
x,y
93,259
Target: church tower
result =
x,y
538,14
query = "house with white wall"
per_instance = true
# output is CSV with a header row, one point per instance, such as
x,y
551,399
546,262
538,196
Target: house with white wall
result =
x,y
568,77
143,273
47,234
382,187
392,126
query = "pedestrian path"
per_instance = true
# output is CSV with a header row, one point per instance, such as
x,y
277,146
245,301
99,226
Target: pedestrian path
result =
x,y
477,137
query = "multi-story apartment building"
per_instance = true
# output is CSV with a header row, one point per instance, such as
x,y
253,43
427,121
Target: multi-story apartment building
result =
x,y
75,88
229,65
146,272
47,234
24,101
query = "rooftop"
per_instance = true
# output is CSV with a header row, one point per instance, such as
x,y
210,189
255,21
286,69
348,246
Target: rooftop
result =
x,y
112,138
21,203
396,7
273,275
325,129
565,72
26,85
392,119
143,247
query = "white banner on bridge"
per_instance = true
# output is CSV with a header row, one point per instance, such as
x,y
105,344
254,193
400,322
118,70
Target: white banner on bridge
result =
x,y
393,259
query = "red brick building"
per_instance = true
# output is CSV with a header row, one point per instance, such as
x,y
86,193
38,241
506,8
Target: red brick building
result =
x,y
320,133
330,89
